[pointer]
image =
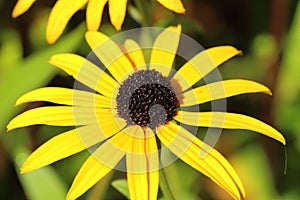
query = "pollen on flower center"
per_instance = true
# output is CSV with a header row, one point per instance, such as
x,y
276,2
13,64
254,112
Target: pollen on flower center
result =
x,y
146,98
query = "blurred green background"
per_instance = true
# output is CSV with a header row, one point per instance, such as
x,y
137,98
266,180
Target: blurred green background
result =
x,y
268,32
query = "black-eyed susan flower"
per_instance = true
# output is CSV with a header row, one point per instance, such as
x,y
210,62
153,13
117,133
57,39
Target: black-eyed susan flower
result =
x,y
135,114
63,10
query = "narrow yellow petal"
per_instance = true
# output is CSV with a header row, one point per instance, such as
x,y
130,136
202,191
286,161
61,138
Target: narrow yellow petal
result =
x,y
21,7
60,15
67,97
142,166
143,186
221,54
117,12
62,146
110,55
202,64
174,5
90,173
220,90
85,72
188,148
52,115
228,121
164,50
67,116
94,13
94,169
135,54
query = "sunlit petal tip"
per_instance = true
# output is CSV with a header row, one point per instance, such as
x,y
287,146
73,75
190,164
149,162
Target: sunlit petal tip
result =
x,y
240,52
22,171
95,38
268,92
59,16
16,13
63,59
21,100
221,54
18,102
174,5
117,25
51,37
10,126
228,120
283,141
91,34
53,32
54,59
94,13
180,10
71,196
175,28
117,12
21,7
25,168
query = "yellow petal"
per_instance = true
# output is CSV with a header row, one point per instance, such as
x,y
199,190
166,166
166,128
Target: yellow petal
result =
x,y
94,169
94,13
135,54
164,50
110,55
202,64
117,12
228,121
142,166
90,173
50,115
60,15
174,5
85,72
188,148
220,90
62,146
21,7
67,97
221,54
109,122
66,116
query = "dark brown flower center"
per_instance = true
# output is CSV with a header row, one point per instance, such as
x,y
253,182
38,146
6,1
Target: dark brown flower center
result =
x,y
146,98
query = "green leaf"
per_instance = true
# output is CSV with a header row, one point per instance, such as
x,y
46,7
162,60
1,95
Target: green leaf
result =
x,y
23,76
254,170
31,73
43,183
288,92
10,42
122,186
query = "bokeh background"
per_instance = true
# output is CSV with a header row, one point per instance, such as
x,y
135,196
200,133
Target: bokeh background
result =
x,y
268,32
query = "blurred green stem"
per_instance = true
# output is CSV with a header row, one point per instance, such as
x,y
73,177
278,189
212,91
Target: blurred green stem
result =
x,y
146,10
164,186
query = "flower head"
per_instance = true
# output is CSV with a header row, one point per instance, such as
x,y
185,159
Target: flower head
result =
x,y
135,113
63,10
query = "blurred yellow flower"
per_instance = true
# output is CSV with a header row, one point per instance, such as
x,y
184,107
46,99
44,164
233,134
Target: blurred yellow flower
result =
x,y
63,10
120,119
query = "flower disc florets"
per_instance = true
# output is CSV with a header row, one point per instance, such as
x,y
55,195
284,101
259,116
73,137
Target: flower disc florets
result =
x,y
147,99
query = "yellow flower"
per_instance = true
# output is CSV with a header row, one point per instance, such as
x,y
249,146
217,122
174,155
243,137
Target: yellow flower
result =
x,y
63,10
135,113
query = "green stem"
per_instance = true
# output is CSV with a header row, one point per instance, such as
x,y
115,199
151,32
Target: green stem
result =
x,y
146,10
168,195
